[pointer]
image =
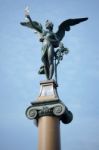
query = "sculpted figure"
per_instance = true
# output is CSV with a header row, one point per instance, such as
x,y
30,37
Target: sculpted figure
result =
x,y
50,40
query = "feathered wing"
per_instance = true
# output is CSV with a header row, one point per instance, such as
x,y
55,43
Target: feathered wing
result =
x,y
65,26
33,25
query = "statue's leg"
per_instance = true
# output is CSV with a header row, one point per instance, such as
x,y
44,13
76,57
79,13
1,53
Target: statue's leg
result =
x,y
46,66
46,71
50,61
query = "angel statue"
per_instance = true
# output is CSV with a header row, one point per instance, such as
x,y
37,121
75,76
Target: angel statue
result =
x,y
50,40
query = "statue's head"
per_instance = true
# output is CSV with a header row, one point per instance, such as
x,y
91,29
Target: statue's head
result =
x,y
49,25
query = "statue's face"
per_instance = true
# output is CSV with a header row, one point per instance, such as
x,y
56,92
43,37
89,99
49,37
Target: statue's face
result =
x,y
48,24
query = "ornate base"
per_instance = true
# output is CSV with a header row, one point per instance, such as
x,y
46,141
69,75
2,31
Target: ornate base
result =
x,y
49,104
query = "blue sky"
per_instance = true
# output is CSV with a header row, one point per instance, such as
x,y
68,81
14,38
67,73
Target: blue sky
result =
x,y
78,73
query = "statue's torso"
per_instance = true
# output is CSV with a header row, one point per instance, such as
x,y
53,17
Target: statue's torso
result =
x,y
50,39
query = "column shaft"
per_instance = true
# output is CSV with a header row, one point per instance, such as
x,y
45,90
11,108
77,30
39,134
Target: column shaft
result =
x,y
49,133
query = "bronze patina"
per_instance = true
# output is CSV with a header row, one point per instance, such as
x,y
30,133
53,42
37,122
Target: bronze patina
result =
x,y
52,47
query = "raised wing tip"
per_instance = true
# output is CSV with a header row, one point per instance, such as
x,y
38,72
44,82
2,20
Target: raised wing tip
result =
x,y
82,19
86,18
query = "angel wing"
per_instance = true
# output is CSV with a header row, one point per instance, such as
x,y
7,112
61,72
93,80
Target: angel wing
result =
x,y
34,25
65,26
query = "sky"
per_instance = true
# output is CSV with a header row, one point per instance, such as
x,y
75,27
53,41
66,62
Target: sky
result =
x,y
78,73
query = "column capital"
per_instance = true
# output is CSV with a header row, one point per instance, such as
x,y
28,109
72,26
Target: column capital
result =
x,y
49,108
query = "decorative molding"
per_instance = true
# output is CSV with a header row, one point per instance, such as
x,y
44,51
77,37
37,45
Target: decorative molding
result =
x,y
49,108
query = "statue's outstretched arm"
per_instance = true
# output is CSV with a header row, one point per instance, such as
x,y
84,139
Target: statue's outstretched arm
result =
x,y
31,24
35,25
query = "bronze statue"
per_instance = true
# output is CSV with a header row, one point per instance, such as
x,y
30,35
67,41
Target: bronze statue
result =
x,y
50,41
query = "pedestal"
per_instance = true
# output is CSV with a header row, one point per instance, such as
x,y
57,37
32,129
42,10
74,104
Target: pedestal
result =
x,y
47,111
48,91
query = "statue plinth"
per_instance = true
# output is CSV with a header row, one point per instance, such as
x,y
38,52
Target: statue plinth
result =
x,y
48,90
